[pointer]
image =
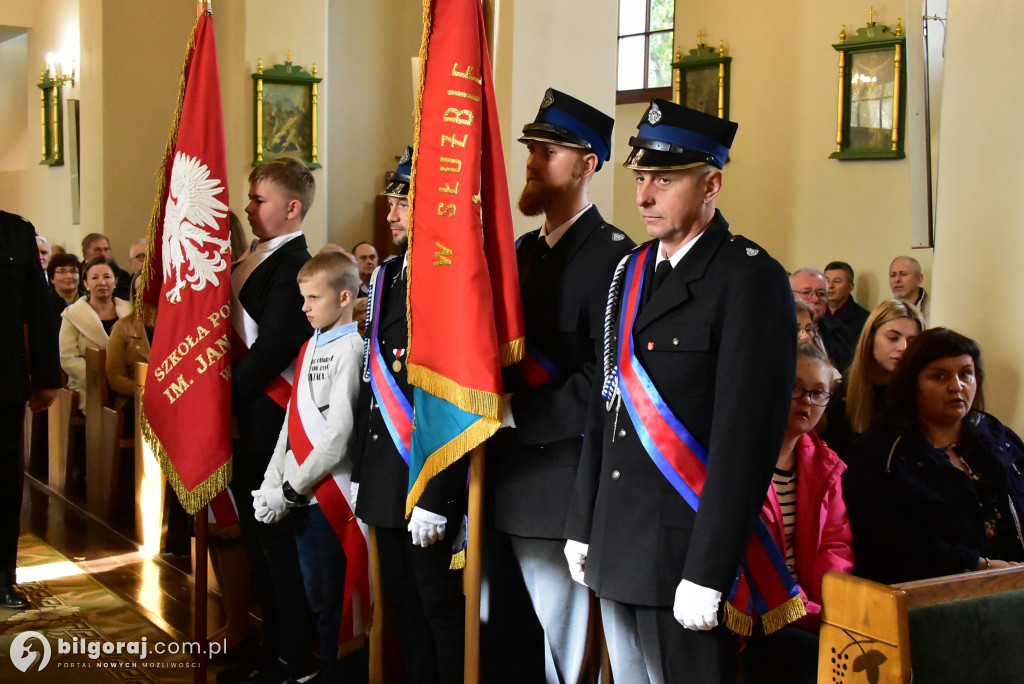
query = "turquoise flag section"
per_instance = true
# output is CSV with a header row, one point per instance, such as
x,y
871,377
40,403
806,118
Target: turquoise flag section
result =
x,y
437,423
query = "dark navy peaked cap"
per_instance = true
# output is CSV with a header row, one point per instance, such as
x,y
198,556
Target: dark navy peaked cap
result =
x,y
671,136
564,120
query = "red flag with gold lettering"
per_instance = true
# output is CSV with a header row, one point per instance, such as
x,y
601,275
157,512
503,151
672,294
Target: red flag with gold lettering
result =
x,y
465,320
187,400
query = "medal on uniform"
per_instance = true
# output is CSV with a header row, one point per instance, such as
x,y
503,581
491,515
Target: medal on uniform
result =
x,y
396,365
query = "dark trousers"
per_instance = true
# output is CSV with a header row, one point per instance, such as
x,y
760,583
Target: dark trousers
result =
x,y
428,604
789,655
12,428
277,575
323,573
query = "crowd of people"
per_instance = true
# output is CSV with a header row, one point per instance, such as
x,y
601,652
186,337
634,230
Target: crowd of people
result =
x,y
688,407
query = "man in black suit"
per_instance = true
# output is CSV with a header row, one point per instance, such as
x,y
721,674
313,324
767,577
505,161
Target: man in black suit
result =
x,y
841,305
417,579
564,268
267,316
31,374
809,285
704,364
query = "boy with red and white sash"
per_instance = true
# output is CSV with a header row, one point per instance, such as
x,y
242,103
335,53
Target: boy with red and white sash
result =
x,y
679,451
309,475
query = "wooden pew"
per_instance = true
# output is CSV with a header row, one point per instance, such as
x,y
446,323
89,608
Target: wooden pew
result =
x,y
101,474
866,629
64,421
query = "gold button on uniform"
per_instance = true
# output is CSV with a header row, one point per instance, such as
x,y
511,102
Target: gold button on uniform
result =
x,y
622,432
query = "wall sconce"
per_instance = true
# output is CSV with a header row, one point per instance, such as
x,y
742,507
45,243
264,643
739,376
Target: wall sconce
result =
x,y
51,83
55,68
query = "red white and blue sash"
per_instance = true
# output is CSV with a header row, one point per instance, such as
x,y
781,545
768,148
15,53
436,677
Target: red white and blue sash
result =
x,y
306,427
244,332
394,407
765,588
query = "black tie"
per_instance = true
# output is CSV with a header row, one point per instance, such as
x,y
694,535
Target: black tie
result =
x,y
660,273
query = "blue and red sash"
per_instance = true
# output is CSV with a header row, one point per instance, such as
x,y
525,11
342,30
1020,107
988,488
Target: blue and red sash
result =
x,y
764,588
394,406
306,427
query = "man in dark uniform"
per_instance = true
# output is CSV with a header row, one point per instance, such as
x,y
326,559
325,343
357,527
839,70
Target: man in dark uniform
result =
x,y
31,374
267,315
697,392
417,581
564,268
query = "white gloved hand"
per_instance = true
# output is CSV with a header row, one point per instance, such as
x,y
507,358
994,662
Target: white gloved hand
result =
x,y
353,494
259,505
275,500
576,554
426,527
696,607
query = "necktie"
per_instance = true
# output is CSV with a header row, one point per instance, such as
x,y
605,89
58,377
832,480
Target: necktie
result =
x,y
660,273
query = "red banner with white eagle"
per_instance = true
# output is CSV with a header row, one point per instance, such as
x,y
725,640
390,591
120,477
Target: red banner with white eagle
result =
x,y
187,400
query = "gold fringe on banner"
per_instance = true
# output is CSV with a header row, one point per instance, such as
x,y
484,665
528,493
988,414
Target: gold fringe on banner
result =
x,y
191,499
512,352
449,453
738,622
480,402
780,616
161,183
458,560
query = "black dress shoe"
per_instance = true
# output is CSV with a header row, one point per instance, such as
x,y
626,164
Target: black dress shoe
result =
x,y
11,597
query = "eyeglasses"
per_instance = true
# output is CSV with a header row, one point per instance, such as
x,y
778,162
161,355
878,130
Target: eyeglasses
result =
x,y
818,397
820,294
66,271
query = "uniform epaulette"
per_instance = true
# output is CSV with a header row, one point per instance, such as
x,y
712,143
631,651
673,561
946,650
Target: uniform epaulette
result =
x,y
611,233
747,246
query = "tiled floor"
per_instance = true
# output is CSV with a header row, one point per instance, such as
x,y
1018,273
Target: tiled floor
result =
x,y
89,582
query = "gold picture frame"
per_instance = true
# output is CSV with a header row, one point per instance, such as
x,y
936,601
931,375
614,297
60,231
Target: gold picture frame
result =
x,y
871,116
285,113
702,78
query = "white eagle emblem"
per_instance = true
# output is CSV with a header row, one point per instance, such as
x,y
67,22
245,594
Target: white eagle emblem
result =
x,y
192,204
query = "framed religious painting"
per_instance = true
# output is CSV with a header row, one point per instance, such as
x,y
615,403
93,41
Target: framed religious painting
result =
x,y
285,113
702,79
871,116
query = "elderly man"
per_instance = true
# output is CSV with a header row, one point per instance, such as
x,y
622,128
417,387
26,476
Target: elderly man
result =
x,y
44,252
564,268
809,285
699,365
366,257
841,304
905,279
137,256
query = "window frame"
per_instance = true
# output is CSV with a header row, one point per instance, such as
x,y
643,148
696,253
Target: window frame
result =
x,y
644,94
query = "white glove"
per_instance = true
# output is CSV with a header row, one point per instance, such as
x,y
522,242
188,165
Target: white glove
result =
x,y
576,554
696,607
426,527
275,500
353,494
260,509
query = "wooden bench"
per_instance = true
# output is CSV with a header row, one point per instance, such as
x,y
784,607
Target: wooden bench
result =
x,y
960,628
64,444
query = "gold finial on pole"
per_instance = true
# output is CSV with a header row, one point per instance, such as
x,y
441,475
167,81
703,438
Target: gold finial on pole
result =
x,y
842,34
259,65
700,38
288,57
871,14
721,49
899,26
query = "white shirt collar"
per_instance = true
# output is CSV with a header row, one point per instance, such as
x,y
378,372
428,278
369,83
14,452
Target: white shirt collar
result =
x,y
680,253
555,235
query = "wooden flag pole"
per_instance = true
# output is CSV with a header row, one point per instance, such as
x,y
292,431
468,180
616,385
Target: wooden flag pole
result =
x,y
199,607
474,564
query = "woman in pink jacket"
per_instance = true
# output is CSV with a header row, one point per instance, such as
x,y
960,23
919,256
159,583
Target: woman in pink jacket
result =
x,y
807,520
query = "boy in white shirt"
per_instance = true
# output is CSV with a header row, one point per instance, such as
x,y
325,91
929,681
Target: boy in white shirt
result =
x,y
309,474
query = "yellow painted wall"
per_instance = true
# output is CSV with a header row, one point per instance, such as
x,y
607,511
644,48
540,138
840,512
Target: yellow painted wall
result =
x,y
978,286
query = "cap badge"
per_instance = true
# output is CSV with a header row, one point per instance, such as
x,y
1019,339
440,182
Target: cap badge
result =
x,y
752,252
654,114
549,99
406,157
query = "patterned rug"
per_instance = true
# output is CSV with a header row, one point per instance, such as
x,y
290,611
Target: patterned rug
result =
x,y
88,618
